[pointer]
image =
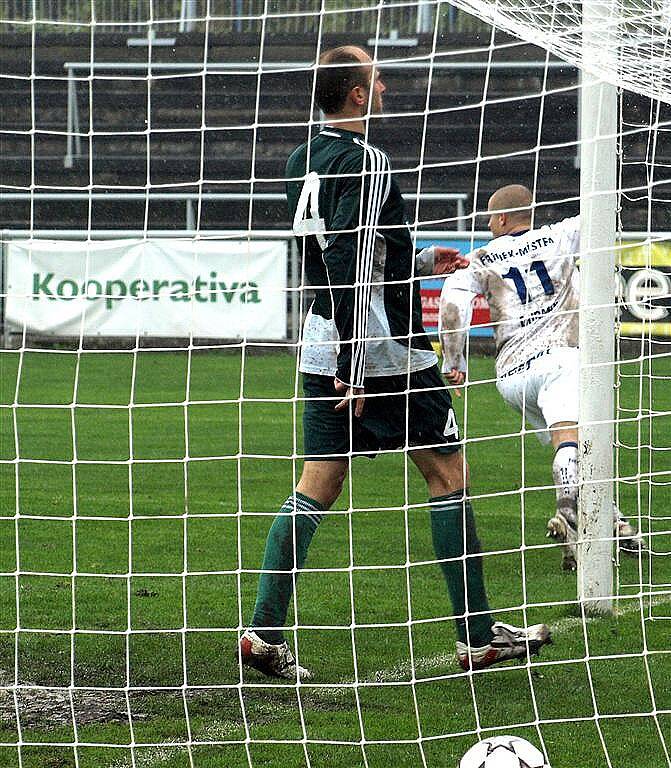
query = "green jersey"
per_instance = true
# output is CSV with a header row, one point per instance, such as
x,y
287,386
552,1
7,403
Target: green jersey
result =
x,y
349,217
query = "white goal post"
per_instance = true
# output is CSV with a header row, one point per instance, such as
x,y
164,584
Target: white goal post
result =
x,y
598,205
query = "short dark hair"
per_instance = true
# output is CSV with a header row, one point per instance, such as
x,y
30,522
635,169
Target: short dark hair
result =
x,y
335,82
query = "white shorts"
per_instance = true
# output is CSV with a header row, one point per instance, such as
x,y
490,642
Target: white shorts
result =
x,y
544,389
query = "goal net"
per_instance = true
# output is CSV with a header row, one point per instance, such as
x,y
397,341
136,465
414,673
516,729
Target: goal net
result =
x,y
151,402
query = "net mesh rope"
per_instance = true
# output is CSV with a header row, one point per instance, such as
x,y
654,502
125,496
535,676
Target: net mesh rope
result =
x,y
640,30
139,479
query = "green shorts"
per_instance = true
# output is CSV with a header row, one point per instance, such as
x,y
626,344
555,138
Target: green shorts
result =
x,y
420,416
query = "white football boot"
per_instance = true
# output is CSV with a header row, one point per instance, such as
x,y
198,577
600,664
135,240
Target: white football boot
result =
x,y
508,643
629,540
563,528
271,660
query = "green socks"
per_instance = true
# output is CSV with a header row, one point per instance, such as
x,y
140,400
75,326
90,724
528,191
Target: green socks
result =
x,y
465,581
284,553
453,531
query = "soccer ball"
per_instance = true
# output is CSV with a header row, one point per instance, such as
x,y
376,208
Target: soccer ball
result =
x,y
503,752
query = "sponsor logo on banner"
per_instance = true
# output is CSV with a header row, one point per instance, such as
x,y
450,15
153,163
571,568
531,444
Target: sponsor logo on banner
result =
x,y
645,289
46,285
215,289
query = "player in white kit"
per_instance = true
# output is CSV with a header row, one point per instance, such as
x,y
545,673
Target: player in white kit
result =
x,y
529,279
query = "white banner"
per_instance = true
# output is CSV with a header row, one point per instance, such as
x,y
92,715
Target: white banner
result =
x,y
230,289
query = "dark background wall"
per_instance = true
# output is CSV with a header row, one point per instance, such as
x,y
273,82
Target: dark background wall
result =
x,y
446,131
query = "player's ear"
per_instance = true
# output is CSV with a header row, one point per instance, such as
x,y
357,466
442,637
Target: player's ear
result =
x,y
359,95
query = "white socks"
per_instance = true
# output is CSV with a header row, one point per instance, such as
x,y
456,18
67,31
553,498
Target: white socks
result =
x,y
565,473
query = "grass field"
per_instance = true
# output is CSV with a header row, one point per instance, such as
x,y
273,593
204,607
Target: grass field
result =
x,y
136,577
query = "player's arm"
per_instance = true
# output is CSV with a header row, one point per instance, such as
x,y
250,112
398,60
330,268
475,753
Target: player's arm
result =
x,y
438,260
454,319
348,257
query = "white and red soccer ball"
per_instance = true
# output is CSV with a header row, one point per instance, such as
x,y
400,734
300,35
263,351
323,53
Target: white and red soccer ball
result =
x,y
503,752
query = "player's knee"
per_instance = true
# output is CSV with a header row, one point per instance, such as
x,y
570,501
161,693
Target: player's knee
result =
x,y
336,484
563,432
452,473
459,472
322,481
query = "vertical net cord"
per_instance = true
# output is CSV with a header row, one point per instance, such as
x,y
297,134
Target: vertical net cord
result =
x,y
525,596
351,509
132,404
467,384
250,225
644,632
408,386
652,153
640,473
186,407
241,392
666,50
15,428
644,589
80,346
15,424
238,518
296,624
186,411
294,473
618,350
297,353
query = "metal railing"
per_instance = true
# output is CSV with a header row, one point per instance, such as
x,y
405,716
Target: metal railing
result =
x,y
391,19
191,200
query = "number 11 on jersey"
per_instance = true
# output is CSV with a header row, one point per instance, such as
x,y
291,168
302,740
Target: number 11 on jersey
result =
x,y
520,285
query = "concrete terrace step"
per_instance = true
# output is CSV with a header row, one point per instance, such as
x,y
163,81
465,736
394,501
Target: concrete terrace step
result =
x,y
404,136
124,171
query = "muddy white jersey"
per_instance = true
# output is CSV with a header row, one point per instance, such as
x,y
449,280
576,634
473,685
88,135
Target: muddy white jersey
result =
x,y
530,282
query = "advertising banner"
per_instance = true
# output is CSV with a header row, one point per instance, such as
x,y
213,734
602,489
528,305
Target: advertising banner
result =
x,y
231,289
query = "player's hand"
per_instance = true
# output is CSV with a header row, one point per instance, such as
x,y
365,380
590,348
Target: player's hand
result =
x,y
455,378
351,393
448,260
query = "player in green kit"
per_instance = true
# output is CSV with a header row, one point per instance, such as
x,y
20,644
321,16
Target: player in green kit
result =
x,y
370,375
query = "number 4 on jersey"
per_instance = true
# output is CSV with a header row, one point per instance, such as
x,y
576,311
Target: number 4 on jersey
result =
x,y
451,427
312,224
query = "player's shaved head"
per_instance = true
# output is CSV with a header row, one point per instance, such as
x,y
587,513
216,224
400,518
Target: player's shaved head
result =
x,y
335,79
507,199
509,209
511,197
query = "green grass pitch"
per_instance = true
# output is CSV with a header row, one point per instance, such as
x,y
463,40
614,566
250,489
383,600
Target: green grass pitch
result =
x,y
159,547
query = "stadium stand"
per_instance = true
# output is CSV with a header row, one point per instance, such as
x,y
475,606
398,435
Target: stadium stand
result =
x,y
119,107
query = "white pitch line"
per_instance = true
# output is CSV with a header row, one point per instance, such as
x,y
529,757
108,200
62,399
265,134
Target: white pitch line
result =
x,y
218,730
400,672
